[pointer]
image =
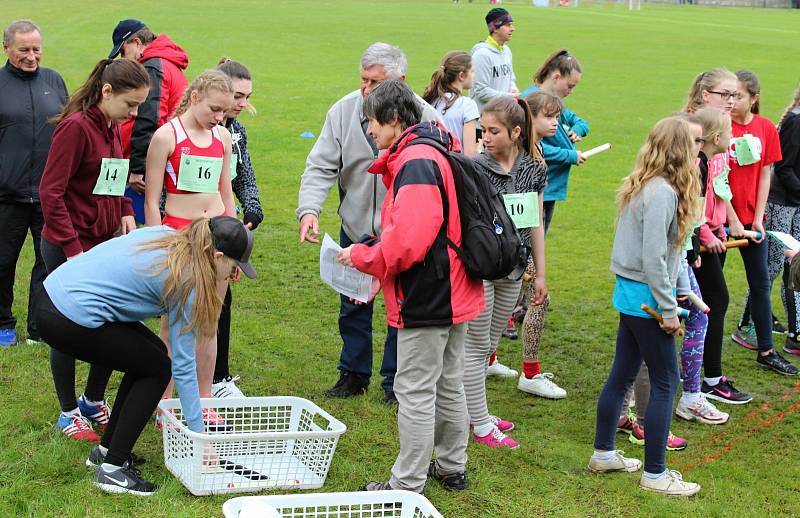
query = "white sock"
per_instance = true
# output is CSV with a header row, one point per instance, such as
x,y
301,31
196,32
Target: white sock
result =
x,y
110,468
89,402
103,449
713,382
484,429
655,476
604,455
72,412
690,397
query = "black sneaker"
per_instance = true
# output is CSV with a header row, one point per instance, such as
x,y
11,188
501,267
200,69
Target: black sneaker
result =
x,y
127,479
349,384
96,458
776,362
791,345
454,482
377,486
725,391
390,399
777,327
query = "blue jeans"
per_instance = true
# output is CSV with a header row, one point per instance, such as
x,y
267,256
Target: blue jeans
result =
x,y
355,327
640,339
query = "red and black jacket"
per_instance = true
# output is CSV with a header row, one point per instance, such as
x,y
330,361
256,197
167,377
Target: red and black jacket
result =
x,y
424,281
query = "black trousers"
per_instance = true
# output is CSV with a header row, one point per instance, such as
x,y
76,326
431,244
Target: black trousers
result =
x,y
62,365
221,370
128,347
16,220
711,280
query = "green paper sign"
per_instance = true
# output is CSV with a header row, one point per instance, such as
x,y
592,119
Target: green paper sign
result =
x,y
199,173
113,177
748,150
234,163
721,186
523,207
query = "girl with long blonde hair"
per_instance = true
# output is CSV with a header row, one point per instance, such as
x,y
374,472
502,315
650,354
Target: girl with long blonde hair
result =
x,y
656,213
93,308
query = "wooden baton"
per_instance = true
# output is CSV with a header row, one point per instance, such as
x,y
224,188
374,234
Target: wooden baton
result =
x,y
734,243
655,314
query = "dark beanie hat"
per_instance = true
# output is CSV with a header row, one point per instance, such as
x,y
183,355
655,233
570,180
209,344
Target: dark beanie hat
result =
x,y
496,18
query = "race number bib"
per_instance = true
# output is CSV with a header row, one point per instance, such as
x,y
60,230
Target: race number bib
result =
x,y
722,187
699,219
199,173
234,163
748,149
523,208
113,177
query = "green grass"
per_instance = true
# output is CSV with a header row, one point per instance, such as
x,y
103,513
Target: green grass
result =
x,y
304,56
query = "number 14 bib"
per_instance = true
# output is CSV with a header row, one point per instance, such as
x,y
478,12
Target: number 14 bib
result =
x,y
199,173
113,177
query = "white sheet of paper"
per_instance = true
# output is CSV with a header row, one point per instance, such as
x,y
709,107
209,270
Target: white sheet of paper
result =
x,y
345,279
786,240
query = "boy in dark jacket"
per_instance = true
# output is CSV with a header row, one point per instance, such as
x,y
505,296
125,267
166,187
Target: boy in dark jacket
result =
x,y
428,295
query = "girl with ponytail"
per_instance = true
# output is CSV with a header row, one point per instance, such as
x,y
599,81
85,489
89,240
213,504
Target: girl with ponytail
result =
x,y
512,160
82,200
445,94
92,309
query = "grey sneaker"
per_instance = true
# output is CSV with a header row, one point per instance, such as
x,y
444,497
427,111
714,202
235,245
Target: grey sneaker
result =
x,y
671,484
127,479
617,463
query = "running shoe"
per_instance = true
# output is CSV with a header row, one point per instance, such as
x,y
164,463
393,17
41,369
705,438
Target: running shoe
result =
x,y
541,385
213,421
8,337
501,371
625,424
226,388
777,363
746,337
451,482
126,479
496,439
519,314
702,411
377,486
674,443
77,427
671,484
617,463
96,458
510,331
98,414
725,392
791,346
502,424
777,327
31,341
349,384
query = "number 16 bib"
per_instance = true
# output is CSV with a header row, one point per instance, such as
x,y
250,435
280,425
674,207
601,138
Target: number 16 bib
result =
x,y
199,173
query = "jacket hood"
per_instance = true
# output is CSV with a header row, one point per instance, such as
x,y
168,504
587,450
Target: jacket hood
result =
x,y
432,130
488,162
164,48
484,45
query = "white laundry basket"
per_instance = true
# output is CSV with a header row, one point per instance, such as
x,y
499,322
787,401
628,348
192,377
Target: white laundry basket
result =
x,y
362,504
265,443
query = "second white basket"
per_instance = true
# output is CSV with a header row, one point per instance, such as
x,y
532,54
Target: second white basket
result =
x,y
258,443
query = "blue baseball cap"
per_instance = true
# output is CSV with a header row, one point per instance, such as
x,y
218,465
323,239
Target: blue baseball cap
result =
x,y
124,30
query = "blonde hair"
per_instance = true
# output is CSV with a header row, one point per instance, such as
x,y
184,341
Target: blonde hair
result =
x,y
208,81
792,105
669,153
191,266
706,81
712,120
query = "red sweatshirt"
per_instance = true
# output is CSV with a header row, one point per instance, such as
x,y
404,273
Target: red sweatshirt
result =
x,y
74,218
424,281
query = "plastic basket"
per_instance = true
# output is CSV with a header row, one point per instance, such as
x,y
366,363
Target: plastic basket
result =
x,y
364,504
264,443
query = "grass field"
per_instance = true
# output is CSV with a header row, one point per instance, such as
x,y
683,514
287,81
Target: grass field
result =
x,y
304,56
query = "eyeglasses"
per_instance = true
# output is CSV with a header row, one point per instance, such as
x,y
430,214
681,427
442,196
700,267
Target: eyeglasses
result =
x,y
727,95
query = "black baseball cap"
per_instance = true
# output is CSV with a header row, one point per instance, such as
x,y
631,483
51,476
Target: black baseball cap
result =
x,y
234,240
124,30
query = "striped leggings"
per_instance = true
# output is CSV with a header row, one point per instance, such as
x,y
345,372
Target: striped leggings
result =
x,y
483,335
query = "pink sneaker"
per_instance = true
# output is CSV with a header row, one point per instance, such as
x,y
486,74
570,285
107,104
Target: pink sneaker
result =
x,y
496,439
502,425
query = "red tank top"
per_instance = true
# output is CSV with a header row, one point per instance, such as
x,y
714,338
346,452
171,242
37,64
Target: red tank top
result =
x,y
185,146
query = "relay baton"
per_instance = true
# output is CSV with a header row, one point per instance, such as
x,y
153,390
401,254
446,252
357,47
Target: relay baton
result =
x,y
734,243
749,234
655,314
698,302
596,150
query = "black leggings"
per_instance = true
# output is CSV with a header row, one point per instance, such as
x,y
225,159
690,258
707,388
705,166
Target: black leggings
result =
x,y
129,347
223,339
63,365
711,281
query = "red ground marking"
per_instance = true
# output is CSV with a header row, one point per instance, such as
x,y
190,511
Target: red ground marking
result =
x,y
760,425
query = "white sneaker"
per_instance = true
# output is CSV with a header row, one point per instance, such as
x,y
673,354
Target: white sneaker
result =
x,y
500,370
702,411
671,484
540,385
618,463
226,388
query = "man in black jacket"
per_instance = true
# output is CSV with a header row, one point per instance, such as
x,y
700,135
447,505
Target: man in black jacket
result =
x,y
31,95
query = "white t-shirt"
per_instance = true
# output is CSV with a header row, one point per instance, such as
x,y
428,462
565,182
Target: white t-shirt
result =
x,y
462,111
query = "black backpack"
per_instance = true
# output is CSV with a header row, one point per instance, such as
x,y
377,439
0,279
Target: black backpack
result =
x,y
491,247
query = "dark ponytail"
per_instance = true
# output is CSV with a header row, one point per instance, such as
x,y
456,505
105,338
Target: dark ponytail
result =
x,y
753,86
233,69
560,61
453,64
123,75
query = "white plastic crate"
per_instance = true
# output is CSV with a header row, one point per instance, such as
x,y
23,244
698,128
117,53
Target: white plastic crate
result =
x,y
362,504
266,443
